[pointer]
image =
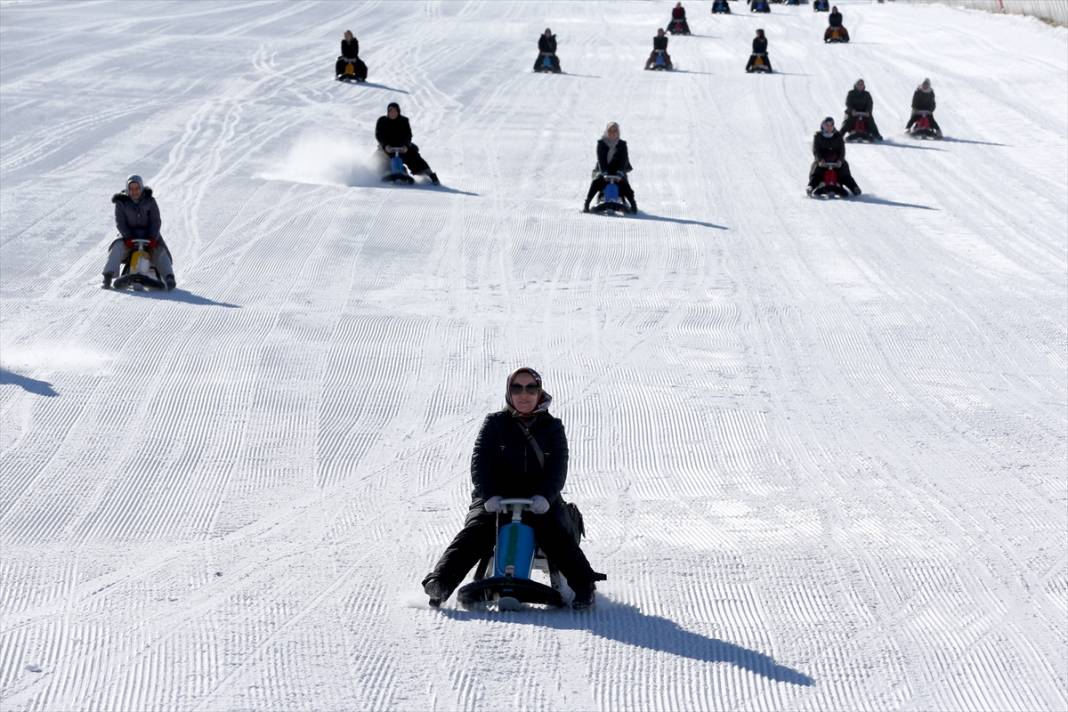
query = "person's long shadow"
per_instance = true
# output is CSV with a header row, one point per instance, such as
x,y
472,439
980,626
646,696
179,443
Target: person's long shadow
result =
x,y
677,221
180,295
447,189
30,385
875,200
625,623
583,76
687,71
375,85
914,146
950,139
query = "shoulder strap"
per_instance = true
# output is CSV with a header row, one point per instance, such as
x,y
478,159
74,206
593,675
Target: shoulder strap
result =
x,y
533,444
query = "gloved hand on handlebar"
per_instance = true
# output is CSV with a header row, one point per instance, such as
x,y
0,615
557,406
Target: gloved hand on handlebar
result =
x,y
492,505
538,504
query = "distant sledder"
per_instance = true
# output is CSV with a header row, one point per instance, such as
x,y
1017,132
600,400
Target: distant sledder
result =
x,y
758,60
610,183
678,24
829,175
922,123
139,252
759,6
394,135
720,7
836,31
821,6
859,124
349,66
547,60
659,59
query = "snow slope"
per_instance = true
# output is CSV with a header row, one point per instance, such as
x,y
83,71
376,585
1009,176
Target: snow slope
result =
x,y
821,448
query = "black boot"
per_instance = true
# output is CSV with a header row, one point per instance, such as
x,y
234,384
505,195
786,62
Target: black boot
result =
x,y
171,284
434,178
436,591
108,276
584,596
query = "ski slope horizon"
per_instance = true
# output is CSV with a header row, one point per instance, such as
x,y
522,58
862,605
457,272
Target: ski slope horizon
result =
x,y
820,447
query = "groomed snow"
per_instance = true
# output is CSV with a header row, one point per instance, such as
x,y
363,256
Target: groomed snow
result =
x,y
820,447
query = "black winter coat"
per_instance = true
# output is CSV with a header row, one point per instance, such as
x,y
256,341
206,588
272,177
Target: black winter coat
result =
x,y
620,162
350,50
138,220
760,45
660,43
393,132
547,44
505,465
678,13
923,100
828,149
859,100
835,18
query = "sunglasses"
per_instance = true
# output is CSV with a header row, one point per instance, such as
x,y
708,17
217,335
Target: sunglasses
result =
x,y
530,388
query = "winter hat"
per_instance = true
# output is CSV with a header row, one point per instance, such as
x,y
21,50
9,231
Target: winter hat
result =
x,y
393,105
856,84
543,400
135,179
925,84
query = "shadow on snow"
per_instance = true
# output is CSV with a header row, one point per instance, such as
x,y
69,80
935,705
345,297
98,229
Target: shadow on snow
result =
x,y
375,85
625,623
179,295
677,221
875,200
31,385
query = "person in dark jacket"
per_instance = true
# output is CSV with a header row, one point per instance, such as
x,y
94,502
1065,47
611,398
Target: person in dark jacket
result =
x,y
547,46
394,131
720,6
137,218
834,25
678,25
521,451
760,49
859,100
923,99
759,6
350,52
828,146
660,43
613,158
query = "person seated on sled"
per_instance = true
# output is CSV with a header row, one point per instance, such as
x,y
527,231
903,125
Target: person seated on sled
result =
x,y
760,47
829,147
521,451
137,218
678,16
350,52
720,6
820,6
547,45
859,100
394,131
923,99
612,159
759,6
660,43
834,22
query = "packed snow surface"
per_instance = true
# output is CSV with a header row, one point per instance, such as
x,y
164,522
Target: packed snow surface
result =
x,y
820,446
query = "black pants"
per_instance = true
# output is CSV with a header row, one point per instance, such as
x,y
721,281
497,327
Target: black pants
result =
x,y
479,535
845,177
553,58
752,59
930,117
842,30
599,183
849,120
652,60
412,159
361,68
679,26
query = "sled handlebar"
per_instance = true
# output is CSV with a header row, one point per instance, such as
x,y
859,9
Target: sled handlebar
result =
x,y
612,177
395,150
922,112
859,113
518,505
830,164
141,243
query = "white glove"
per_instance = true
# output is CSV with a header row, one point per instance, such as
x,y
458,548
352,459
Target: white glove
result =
x,y
493,504
538,504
